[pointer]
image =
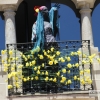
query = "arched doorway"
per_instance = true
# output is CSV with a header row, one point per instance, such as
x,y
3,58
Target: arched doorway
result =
x,y
25,18
2,32
96,24
69,20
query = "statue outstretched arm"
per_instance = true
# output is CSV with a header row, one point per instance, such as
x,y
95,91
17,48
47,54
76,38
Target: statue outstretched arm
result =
x,y
53,15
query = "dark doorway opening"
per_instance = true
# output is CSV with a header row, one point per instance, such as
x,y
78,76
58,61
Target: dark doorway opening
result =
x,y
25,17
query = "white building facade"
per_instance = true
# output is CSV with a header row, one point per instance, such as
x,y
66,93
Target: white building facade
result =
x,y
9,8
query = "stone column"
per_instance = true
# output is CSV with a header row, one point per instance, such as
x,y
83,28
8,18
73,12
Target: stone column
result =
x,y
10,30
86,26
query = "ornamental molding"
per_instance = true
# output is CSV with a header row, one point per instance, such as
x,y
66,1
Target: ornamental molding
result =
x,y
9,4
84,3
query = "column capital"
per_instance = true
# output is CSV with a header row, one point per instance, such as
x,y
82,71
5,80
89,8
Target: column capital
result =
x,y
9,13
84,3
9,8
85,11
9,4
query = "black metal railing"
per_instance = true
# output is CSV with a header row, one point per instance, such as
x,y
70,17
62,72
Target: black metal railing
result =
x,y
32,72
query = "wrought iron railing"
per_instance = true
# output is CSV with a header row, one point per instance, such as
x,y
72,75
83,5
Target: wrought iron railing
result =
x,y
38,75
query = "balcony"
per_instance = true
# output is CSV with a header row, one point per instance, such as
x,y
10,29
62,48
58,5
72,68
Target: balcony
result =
x,y
58,67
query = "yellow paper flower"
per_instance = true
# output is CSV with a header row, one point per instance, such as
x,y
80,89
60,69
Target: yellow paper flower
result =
x,y
89,81
54,80
8,61
87,70
5,65
2,61
17,85
10,86
68,58
46,79
91,60
69,65
42,64
9,75
72,54
30,64
50,62
50,79
98,59
90,57
66,83
16,58
37,49
81,72
45,53
69,81
21,53
14,65
62,60
78,52
52,49
75,53
83,62
55,61
16,78
5,69
77,65
3,52
32,78
10,52
23,56
64,70
58,53
75,77
61,81
38,72
25,59
36,77
35,68
13,74
78,79
51,58
27,64
64,78
48,51
68,71
28,78
42,73
24,79
58,73
20,66
12,68
82,81
93,55
28,56
84,55
39,67
33,62
46,73
41,57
